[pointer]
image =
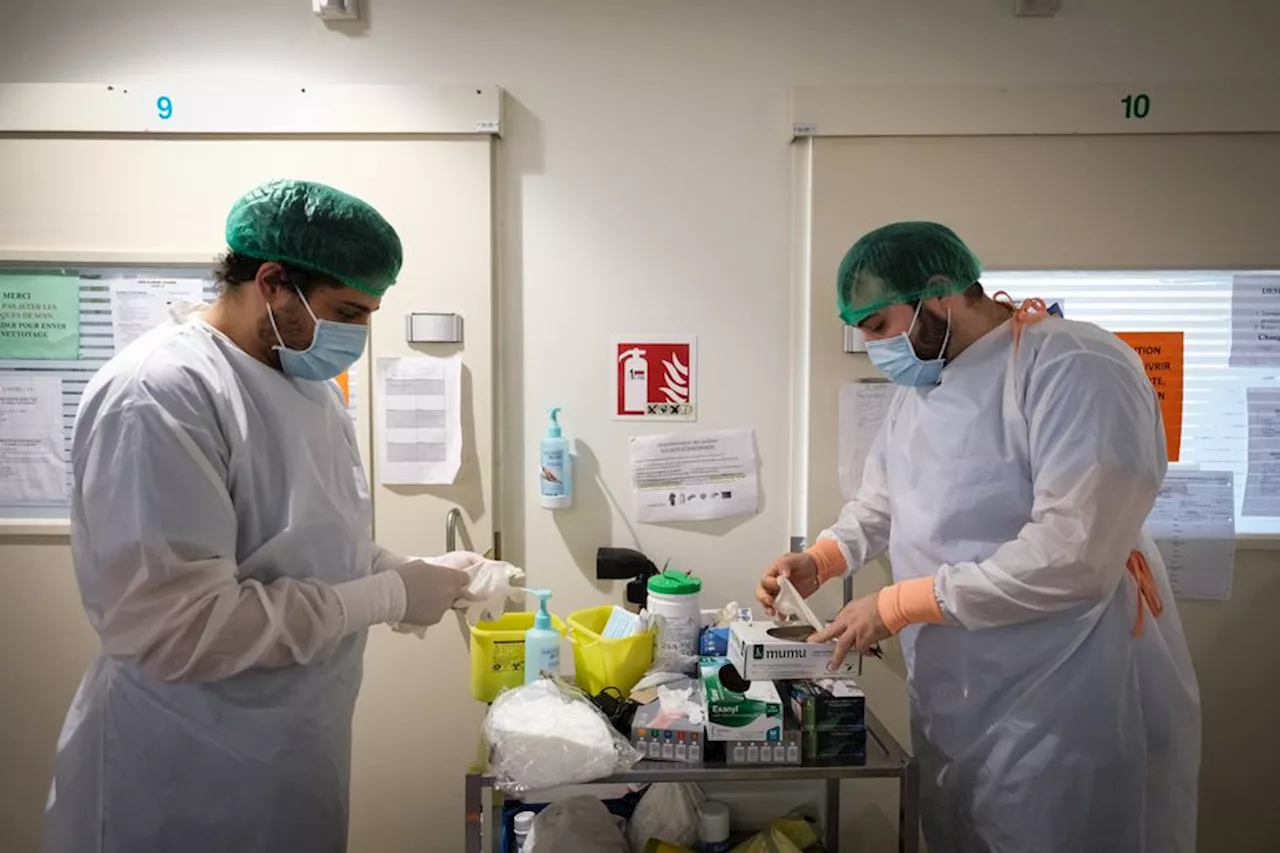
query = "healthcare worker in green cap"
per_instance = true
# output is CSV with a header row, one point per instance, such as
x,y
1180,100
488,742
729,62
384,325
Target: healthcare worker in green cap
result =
x,y
221,539
1053,702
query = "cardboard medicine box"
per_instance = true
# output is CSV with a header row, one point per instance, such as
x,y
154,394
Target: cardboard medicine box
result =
x,y
762,651
828,703
836,747
753,715
788,751
660,736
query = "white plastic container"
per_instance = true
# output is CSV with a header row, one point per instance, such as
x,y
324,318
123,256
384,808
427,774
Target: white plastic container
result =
x,y
523,822
673,601
713,827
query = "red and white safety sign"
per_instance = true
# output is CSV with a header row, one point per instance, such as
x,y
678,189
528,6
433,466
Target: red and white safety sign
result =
x,y
656,377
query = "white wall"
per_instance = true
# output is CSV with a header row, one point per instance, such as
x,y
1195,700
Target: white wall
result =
x,y
643,183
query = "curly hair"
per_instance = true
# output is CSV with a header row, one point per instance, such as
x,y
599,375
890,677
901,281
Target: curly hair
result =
x,y
234,269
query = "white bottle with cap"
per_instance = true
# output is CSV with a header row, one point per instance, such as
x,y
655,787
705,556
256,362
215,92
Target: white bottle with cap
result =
x,y
673,601
713,827
523,824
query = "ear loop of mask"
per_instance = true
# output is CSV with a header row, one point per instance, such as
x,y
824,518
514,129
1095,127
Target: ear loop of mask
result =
x,y
946,338
271,315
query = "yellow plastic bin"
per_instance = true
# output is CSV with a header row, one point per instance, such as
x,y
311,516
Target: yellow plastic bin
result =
x,y
599,663
497,653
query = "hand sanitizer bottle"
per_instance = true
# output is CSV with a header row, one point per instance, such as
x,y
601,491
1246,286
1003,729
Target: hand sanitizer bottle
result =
x,y
541,642
556,475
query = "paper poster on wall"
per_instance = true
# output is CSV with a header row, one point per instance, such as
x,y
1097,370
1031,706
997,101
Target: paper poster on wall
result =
x,y
863,408
696,476
656,377
1162,355
1262,486
1255,321
40,317
139,305
418,420
1193,523
33,458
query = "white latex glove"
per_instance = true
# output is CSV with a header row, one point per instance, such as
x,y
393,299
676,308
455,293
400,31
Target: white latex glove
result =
x,y
432,588
463,561
491,583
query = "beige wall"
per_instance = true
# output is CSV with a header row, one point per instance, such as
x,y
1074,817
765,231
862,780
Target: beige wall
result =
x,y
47,644
644,186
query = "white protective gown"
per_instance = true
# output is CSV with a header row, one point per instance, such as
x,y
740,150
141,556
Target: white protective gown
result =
x,y
215,501
1022,481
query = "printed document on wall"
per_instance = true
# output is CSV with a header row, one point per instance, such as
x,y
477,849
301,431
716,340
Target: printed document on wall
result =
x,y
33,457
863,407
139,305
1262,488
418,420
1193,523
694,476
1255,321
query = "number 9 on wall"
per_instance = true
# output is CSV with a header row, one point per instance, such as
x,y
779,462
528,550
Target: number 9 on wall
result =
x,y
164,107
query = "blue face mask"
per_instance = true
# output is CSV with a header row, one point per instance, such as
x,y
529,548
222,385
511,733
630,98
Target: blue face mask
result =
x,y
334,348
897,359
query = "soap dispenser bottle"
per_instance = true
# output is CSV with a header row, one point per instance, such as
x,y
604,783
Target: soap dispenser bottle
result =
x,y
556,475
541,642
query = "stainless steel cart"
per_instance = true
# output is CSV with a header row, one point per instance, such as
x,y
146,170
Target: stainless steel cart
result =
x,y
885,759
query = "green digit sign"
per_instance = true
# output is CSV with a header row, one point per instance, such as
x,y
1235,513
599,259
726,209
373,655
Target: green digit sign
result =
x,y
1136,106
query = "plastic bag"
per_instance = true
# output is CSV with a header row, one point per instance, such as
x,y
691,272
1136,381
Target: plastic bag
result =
x,y
790,834
668,811
726,616
580,824
547,734
656,677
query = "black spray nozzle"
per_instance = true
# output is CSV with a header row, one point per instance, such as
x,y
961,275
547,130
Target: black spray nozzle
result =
x,y
625,564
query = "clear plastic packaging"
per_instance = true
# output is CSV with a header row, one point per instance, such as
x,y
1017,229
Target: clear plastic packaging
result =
x,y
548,734
580,824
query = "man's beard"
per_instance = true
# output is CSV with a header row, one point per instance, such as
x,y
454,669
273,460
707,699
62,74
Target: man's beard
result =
x,y
295,325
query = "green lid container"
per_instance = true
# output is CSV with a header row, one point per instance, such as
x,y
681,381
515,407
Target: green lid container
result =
x,y
671,582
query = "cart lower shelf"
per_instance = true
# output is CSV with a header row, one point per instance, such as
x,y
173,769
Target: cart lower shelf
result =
x,y
886,759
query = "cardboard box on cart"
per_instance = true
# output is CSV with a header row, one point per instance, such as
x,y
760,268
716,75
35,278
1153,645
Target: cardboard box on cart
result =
x,y
753,714
762,651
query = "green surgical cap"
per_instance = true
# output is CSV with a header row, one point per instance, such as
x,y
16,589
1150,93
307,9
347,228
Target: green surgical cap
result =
x,y
319,229
902,262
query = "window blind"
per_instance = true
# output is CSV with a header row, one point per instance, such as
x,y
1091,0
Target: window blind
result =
x,y
1215,424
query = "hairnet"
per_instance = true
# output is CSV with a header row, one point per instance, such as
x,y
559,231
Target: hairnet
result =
x,y
317,228
902,262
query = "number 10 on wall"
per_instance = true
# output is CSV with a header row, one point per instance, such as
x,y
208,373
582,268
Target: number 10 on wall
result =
x,y
1136,106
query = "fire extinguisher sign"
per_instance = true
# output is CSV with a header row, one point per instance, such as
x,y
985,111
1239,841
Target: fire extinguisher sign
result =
x,y
656,377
